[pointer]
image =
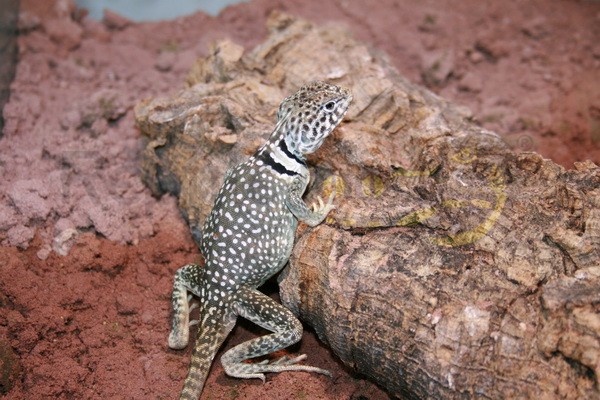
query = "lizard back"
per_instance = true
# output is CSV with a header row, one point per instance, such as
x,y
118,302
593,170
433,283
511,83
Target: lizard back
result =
x,y
248,237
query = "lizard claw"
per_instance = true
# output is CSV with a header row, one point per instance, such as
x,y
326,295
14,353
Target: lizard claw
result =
x,y
322,207
318,207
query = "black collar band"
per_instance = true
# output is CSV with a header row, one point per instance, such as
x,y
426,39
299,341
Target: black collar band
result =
x,y
283,146
268,159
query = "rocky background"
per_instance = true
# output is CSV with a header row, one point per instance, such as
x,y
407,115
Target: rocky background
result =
x,y
88,254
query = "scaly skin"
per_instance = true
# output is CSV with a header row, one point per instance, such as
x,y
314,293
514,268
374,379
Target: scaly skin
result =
x,y
248,237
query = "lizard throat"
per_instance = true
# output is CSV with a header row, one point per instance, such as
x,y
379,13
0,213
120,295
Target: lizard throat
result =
x,y
278,157
284,147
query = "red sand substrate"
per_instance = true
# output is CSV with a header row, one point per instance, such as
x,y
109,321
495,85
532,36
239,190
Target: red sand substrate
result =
x,y
92,324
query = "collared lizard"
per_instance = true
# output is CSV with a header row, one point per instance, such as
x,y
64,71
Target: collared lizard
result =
x,y
248,237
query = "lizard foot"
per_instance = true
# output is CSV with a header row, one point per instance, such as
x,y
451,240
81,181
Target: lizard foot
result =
x,y
285,363
322,208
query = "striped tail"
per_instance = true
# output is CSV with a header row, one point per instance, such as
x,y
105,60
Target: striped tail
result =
x,y
213,331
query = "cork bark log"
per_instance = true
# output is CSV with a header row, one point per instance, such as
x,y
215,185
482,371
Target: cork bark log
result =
x,y
451,268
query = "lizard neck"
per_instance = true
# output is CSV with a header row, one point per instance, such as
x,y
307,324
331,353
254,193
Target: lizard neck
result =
x,y
276,153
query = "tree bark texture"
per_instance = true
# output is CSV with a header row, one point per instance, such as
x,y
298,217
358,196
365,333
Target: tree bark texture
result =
x,y
451,267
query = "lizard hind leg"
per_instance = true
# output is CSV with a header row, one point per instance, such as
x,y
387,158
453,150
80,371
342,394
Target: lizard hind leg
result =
x,y
187,279
286,328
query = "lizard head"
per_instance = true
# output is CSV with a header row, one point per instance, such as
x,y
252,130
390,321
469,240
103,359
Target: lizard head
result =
x,y
310,115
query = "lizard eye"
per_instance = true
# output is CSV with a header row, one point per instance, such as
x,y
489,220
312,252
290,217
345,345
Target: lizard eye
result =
x,y
329,106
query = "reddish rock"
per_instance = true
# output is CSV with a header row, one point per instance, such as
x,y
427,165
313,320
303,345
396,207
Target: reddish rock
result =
x,y
112,20
10,368
65,32
42,137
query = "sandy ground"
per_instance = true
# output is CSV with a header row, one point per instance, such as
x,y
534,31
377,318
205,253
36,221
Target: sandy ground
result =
x,y
88,255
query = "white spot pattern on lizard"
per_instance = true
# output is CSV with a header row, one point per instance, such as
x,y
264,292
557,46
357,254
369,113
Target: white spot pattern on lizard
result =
x,y
244,248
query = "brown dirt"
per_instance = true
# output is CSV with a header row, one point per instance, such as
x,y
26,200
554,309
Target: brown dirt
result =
x,y
92,324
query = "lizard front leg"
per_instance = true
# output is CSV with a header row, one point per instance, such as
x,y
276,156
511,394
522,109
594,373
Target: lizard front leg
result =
x,y
301,211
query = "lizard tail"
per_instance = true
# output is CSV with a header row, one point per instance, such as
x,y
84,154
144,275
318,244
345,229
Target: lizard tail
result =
x,y
212,333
